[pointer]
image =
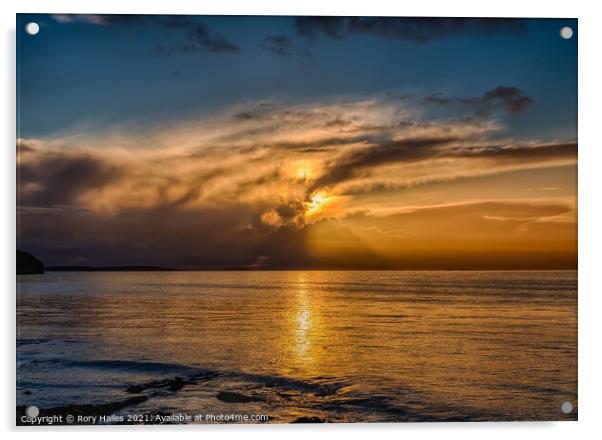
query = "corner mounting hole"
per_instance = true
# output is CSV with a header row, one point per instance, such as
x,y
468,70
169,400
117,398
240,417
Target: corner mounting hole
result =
x,y
566,407
32,28
566,33
32,411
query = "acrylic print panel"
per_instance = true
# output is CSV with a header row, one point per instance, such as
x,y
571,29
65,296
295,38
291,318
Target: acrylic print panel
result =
x,y
226,219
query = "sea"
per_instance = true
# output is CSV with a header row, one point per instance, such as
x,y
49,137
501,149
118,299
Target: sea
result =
x,y
299,346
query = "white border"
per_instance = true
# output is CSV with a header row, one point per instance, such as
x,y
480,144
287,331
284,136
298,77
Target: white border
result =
x,y
590,218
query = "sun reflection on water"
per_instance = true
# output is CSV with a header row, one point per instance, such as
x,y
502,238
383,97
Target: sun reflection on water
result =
x,y
308,334
438,336
303,317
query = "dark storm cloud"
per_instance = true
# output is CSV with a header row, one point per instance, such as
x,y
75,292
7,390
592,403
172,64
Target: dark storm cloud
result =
x,y
198,36
58,179
510,99
357,161
232,236
248,185
415,29
195,188
219,237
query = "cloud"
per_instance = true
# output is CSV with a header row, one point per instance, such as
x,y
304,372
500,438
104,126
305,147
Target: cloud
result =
x,y
357,161
208,237
470,235
520,153
172,21
201,39
58,179
198,36
257,150
278,44
513,99
510,99
415,29
103,20
289,213
455,163
224,189
282,45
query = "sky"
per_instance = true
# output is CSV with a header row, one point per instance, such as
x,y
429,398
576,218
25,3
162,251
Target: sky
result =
x,y
212,142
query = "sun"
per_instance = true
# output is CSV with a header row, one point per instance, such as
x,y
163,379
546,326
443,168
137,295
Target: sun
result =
x,y
301,170
317,203
302,174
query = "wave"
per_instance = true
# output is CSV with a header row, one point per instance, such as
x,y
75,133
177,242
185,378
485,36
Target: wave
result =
x,y
122,365
31,341
335,398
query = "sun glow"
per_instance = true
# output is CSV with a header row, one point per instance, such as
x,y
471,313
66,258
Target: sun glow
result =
x,y
319,201
302,174
303,170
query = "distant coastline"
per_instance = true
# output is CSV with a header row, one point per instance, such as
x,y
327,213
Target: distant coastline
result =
x,y
108,269
29,264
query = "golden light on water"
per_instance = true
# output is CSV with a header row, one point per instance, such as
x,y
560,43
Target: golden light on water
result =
x,y
369,331
306,331
300,318
303,324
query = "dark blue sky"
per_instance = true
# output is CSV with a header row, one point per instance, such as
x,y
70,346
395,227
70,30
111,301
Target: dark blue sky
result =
x,y
101,70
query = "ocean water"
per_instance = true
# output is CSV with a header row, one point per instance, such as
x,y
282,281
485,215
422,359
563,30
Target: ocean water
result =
x,y
341,346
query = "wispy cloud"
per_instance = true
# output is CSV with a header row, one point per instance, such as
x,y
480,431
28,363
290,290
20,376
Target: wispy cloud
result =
x,y
282,45
510,99
257,151
201,39
264,174
415,29
198,37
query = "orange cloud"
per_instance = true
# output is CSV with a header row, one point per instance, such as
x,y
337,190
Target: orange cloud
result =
x,y
304,167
